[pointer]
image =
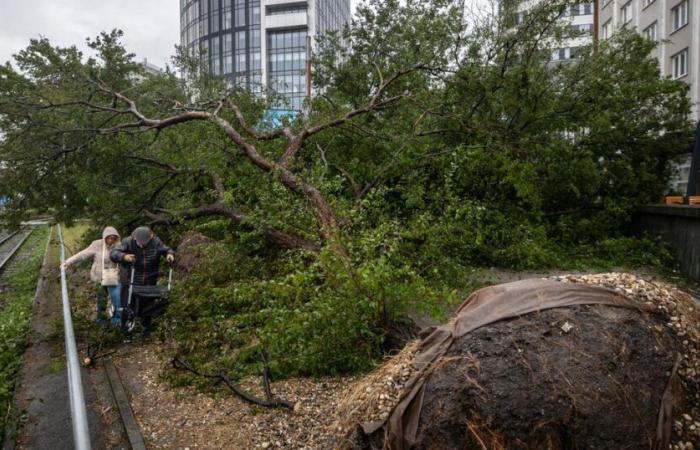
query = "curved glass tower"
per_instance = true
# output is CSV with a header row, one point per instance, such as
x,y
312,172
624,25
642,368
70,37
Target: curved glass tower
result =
x,y
256,43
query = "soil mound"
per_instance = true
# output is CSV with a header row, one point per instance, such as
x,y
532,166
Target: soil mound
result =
x,y
574,371
189,252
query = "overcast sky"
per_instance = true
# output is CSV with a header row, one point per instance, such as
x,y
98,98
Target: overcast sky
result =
x,y
151,27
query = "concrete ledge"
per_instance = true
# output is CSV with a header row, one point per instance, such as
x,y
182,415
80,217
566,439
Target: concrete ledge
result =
x,y
671,210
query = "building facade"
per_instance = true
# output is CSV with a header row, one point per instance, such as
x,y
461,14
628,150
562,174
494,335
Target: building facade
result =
x,y
261,43
674,24
578,18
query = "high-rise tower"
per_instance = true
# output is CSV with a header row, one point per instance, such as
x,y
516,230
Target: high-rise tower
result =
x,y
256,43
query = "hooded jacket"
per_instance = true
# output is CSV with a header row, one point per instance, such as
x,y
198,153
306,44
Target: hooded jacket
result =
x,y
94,251
147,259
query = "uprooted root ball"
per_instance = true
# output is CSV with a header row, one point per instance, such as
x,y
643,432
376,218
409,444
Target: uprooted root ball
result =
x,y
577,377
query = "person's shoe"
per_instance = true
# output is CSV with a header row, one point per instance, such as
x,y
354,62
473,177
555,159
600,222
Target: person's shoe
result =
x,y
146,334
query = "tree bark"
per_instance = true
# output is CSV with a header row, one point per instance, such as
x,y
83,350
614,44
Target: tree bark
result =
x,y
271,235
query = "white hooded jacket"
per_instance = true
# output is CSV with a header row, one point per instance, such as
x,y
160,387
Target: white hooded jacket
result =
x,y
94,251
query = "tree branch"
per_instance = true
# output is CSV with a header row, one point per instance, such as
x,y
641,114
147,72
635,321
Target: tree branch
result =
x,y
272,235
254,133
221,377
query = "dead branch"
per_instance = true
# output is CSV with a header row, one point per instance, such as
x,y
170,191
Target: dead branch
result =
x,y
222,377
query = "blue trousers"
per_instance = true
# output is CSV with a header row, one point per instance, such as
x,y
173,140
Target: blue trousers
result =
x,y
115,294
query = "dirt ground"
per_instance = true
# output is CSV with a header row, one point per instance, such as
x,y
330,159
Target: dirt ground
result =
x,y
181,417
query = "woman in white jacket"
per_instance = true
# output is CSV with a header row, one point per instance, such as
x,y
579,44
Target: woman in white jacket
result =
x,y
104,273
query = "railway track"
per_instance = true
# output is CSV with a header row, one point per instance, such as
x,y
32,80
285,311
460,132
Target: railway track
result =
x,y
12,250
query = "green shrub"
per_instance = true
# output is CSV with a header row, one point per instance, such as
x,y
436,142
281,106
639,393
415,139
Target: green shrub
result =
x,y
310,319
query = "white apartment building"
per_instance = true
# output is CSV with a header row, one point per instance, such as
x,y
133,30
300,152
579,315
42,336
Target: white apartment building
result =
x,y
674,24
579,18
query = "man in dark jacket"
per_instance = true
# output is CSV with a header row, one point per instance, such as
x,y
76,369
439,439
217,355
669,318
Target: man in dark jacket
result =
x,y
142,249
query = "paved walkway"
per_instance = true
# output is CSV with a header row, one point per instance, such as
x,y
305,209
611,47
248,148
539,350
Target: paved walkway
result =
x,y
41,408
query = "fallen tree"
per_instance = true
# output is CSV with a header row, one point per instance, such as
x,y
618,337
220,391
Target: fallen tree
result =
x,y
540,364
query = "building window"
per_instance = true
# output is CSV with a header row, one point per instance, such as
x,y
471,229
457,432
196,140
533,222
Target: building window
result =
x,y
580,9
581,30
255,15
579,52
291,8
286,65
646,3
228,65
679,14
239,13
607,29
680,64
560,54
227,19
651,32
519,17
626,13
239,42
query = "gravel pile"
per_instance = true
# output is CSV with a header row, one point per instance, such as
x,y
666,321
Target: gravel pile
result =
x,y
372,398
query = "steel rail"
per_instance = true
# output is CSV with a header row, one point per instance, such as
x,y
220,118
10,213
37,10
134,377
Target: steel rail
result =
x,y
15,249
81,432
8,237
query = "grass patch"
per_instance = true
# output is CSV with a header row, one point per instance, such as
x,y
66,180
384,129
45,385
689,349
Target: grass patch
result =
x,y
58,365
15,317
73,238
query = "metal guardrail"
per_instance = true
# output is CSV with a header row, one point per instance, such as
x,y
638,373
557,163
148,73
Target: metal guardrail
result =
x,y
81,433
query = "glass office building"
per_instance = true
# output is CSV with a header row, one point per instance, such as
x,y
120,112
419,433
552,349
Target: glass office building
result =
x,y
256,43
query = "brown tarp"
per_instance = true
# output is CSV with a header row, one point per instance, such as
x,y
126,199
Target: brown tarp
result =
x,y
483,307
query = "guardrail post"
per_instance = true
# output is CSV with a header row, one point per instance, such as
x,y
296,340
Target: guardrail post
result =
x,y
81,433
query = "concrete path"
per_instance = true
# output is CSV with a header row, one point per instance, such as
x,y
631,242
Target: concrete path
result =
x,y
41,408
